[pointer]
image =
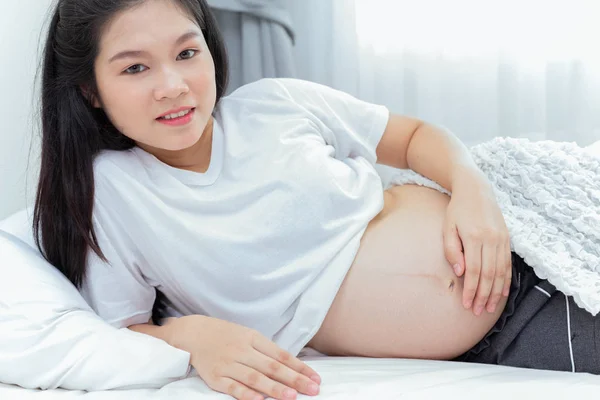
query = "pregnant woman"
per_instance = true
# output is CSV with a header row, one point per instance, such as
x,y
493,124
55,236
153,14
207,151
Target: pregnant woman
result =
x,y
259,216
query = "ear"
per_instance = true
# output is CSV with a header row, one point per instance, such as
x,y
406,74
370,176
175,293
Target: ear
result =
x,y
91,98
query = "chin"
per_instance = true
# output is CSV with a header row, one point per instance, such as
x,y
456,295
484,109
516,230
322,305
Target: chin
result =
x,y
183,143
179,146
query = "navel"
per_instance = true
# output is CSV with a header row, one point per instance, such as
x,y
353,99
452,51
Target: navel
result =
x,y
451,285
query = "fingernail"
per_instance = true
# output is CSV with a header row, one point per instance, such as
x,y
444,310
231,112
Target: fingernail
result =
x,y
506,292
316,378
467,304
290,393
456,268
491,308
313,388
478,310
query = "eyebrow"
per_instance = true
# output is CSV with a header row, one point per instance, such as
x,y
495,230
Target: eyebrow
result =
x,y
136,53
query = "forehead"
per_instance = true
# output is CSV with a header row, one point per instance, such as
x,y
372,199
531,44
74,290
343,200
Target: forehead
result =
x,y
149,22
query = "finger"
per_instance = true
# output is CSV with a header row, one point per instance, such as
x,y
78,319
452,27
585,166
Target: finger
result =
x,y
258,381
453,250
270,349
500,278
235,389
486,278
472,271
508,278
281,373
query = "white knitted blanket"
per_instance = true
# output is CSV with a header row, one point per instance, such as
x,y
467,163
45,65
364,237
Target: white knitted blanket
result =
x,y
549,193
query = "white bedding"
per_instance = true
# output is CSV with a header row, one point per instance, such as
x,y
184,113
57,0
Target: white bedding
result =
x,y
363,378
595,148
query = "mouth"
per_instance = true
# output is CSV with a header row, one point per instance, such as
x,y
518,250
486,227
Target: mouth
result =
x,y
179,120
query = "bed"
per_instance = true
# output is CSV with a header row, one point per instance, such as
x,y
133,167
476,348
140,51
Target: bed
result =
x,y
364,378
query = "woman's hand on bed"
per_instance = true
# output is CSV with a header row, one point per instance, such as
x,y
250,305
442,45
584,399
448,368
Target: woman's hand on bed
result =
x,y
477,243
239,361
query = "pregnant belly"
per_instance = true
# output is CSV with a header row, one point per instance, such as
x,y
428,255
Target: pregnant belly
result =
x,y
401,297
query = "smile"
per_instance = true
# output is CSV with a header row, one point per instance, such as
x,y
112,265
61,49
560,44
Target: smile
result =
x,y
179,119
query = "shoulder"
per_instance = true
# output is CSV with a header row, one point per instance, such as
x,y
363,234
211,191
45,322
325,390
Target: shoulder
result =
x,y
120,168
278,93
110,161
265,97
265,87
278,88
121,186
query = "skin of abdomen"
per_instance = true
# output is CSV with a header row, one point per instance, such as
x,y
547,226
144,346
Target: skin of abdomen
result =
x,y
401,297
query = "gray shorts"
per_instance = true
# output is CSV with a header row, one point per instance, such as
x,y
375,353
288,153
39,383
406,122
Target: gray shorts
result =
x,y
540,328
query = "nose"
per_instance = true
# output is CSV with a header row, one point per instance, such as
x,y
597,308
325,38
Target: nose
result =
x,y
170,85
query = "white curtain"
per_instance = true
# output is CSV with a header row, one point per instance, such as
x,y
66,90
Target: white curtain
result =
x,y
259,39
482,68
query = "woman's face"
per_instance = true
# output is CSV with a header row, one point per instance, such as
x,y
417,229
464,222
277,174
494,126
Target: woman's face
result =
x,y
153,59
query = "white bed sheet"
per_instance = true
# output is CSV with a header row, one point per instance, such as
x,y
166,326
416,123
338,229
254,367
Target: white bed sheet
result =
x,y
364,378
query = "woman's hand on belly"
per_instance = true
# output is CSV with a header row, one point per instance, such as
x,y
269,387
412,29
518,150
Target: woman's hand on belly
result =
x,y
401,297
476,240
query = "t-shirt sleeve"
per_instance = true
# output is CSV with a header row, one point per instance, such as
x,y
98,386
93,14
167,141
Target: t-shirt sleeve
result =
x,y
116,292
353,127
116,289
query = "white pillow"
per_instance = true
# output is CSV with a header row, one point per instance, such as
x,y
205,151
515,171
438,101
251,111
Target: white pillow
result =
x,y
50,337
595,148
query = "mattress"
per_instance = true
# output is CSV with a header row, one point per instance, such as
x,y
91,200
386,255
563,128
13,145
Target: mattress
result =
x,y
353,378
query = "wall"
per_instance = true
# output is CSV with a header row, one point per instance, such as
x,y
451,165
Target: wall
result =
x,y
20,25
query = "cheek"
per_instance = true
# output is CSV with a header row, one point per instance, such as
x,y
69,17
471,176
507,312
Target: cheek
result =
x,y
124,106
204,84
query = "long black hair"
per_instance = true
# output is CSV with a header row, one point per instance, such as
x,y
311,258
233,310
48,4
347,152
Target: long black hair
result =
x,y
74,132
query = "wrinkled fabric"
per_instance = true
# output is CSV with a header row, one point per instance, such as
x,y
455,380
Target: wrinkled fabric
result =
x,y
549,194
273,10
259,37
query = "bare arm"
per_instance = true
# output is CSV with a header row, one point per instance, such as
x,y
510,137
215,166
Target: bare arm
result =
x,y
234,359
431,151
159,332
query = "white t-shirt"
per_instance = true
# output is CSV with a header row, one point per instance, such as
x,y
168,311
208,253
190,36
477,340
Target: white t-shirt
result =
x,y
265,236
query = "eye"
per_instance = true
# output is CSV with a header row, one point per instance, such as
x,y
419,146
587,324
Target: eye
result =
x,y
134,69
188,51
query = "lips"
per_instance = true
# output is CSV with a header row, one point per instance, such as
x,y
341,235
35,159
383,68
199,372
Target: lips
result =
x,y
179,121
175,111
